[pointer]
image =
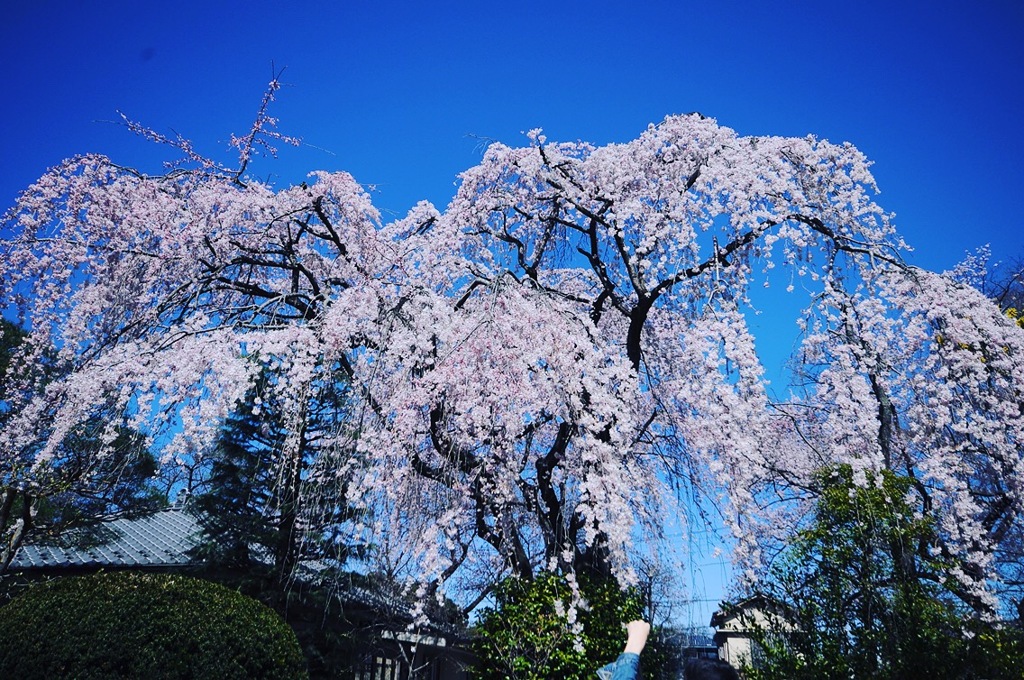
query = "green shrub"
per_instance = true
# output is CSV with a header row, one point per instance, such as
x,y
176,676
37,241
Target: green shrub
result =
x,y
527,635
130,625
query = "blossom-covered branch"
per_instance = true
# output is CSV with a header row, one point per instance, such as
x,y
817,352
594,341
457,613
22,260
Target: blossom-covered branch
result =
x,y
545,362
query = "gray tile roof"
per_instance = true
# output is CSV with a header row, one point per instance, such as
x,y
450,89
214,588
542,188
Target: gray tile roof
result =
x,y
163,540
158,540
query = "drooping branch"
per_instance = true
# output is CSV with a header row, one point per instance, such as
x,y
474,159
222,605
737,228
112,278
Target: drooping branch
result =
x,y
552,519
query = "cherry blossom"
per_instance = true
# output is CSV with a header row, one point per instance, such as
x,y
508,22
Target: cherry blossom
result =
x,y
541,369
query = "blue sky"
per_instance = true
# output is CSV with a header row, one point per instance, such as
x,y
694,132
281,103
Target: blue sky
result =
x,y
402,94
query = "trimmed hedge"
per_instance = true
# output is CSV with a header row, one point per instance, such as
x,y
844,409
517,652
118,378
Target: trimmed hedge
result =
x,y
132,625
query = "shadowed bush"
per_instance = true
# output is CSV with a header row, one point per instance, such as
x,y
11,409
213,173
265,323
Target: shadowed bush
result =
x,y
129,625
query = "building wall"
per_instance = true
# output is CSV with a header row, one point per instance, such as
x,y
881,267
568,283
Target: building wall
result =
x,y
734,648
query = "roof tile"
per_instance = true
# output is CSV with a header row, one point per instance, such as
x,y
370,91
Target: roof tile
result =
x,y
161,539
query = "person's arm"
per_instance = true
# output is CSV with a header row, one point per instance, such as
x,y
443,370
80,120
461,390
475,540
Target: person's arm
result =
x,y
636,636
627,665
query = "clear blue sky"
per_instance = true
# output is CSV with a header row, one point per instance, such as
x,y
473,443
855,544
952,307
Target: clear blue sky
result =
x,y
401,94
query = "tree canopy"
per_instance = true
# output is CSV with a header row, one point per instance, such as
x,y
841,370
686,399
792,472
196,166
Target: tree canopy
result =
x,y
534,631
260,507
99,467
540,369
852,601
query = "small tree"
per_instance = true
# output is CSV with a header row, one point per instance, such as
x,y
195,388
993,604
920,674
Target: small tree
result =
x,y
535,631
863,593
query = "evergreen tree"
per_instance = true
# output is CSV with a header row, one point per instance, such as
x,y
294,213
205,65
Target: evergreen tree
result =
x,y
273,498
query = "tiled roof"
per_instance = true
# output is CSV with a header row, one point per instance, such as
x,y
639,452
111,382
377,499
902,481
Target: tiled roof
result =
x,y
162,539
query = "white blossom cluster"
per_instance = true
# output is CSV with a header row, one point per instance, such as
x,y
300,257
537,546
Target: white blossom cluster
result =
x,y
542,367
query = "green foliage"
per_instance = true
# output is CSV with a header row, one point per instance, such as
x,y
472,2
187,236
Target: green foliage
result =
x,y
528,636
268,506
89,486
76,484
238,507
1016,314
266,499
996,653
332,643
143,626
861,595
11,336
